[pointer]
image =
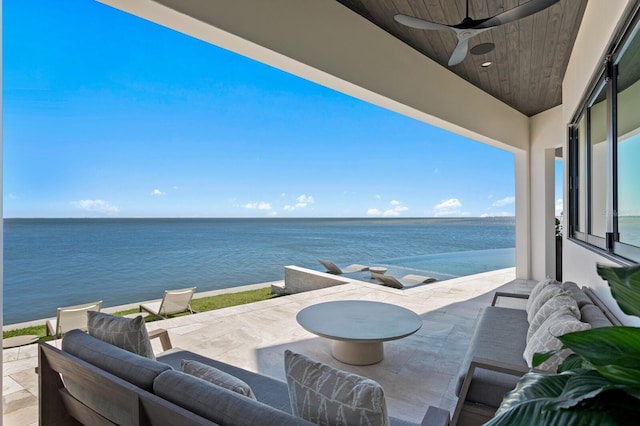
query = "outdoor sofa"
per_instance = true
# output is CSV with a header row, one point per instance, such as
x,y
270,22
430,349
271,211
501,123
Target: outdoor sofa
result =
x,y
494,360
92,382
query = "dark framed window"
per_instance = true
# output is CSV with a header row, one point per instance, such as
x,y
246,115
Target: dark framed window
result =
x,y
604,154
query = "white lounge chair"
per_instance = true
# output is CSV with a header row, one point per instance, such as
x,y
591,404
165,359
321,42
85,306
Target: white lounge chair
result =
x,y
173,302
70,318
332,268
407,280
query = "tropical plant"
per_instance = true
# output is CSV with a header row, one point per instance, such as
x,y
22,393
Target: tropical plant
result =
x,y
599,384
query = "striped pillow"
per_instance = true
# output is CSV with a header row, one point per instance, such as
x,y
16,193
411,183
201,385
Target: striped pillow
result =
x,y
129,334
330,397
544,339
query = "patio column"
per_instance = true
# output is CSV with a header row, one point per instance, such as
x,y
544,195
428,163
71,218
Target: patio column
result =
x,y
523,219
547,133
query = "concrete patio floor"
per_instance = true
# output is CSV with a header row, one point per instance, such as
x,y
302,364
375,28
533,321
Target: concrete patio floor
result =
x,y
417,371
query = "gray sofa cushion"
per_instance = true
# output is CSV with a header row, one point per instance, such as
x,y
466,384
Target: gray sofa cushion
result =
x,y
218,404
267,390
593,315
580,296
500,335
133,368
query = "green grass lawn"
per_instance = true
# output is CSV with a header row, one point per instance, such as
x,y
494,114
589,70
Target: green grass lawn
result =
x,y
198,305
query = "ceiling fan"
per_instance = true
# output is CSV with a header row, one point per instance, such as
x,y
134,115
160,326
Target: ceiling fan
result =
x,y
471,27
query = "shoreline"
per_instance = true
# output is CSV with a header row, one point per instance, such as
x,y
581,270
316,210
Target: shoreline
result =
x,y
117,308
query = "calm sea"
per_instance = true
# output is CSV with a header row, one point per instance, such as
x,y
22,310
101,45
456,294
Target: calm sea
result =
x,y
57,262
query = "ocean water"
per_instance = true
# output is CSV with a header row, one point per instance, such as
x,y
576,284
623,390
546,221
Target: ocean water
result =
x,y
57,262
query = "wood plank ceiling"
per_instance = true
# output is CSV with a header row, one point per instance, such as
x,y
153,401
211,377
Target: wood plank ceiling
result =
x,y
530,55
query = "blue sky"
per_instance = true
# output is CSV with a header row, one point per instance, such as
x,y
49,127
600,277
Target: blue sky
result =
x,y
107,115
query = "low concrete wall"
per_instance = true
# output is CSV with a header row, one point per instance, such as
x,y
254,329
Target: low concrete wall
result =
x,y
298,280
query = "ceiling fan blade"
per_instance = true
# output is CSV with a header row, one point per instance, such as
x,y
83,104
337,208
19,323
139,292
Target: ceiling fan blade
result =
x,y
460,52
518,12
420,24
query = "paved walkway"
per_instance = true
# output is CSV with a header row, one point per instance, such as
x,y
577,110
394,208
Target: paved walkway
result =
x,y
417,371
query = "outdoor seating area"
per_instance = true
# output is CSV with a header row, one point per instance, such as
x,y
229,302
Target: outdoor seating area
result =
x,y
417,372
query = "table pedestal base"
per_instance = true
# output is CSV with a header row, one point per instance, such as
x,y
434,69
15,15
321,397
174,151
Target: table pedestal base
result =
x,y
355,353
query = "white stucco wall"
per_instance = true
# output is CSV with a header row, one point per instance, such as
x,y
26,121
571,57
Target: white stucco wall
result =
x,y
547,133
596,31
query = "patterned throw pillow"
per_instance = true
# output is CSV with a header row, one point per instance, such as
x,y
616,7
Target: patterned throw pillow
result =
x,y
557,302
127,333
536,290
544,339
331,397
546,293
217,377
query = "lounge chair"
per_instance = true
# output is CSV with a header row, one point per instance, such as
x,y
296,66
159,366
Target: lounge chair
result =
x,y
173,302
407,280
332,268
71,317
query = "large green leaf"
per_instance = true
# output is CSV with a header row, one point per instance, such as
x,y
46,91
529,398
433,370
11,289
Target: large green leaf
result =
x,y
625,286
606,346
573,362
622,375
583,385
579,397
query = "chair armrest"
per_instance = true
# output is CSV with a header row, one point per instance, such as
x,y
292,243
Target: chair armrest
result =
x,y
512,295
435,417
499,366
483,364
163,335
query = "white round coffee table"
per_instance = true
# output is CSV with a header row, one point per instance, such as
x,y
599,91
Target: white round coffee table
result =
x,y
358,328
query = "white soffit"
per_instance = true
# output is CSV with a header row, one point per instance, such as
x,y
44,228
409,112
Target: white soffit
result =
x,y
324,42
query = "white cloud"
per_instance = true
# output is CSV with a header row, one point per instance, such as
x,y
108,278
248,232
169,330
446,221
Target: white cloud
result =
x,y
396,208
504,202
157,192
451,203
559,206
262,205
304,200
449,208
98,206
395,212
